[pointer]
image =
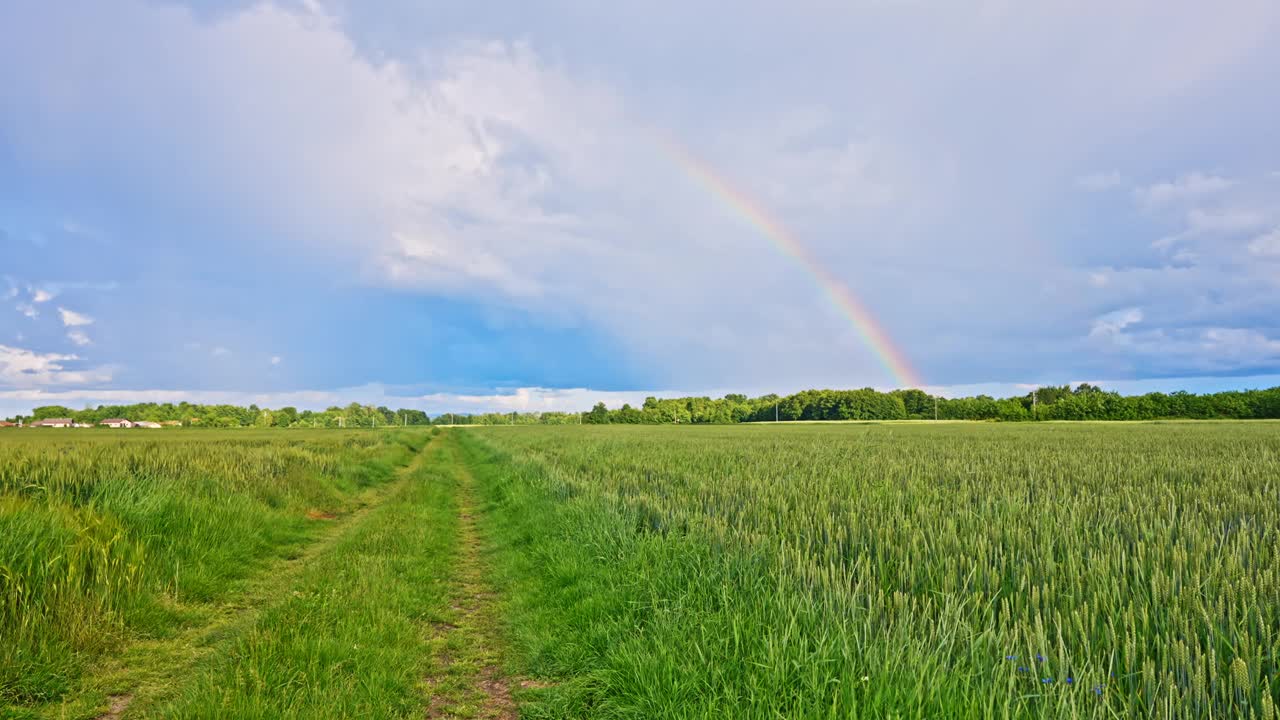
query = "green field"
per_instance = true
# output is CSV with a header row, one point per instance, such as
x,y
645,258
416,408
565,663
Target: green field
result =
x,y
760,571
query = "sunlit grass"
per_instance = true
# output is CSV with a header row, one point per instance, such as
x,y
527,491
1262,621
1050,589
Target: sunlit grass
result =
x,y
348,637
106,537
878,571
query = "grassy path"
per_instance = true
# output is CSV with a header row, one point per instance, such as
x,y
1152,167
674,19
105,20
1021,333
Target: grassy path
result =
x,y
387,613
466,679
347,638
149,668
335,630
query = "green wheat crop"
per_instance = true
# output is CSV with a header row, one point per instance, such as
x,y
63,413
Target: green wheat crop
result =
x,y
972,570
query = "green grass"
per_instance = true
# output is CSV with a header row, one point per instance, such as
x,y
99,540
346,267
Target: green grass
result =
x,y
349,636
802,571
889,571
112,539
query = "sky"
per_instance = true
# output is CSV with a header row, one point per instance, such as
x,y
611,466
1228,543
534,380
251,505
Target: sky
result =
x,y
535,206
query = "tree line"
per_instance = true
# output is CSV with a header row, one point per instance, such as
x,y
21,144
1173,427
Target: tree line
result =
x,y
222,416
1082,402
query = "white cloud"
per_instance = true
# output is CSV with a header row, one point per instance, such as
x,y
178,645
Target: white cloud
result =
x,y
1220,232
1244,342
490,171
21,368
1100,181
79,338
1266,245
1206,350
276,360
1113,323
40,295
71,318
1224,221
1188,186
534,399
27,309
484,170
221,351
531,399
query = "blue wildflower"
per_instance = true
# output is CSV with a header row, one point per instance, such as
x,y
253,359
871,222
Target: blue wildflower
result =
x,y
1071,681
1022,668
1097,689
1010,657
1046,681
1039,657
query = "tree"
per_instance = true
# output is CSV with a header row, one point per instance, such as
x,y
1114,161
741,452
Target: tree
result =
x,y
51,411
599,415
917,403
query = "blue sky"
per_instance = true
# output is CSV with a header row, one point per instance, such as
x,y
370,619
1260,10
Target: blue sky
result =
x,y
468,205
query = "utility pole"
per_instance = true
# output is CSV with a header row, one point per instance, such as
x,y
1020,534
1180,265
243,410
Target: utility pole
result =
x,y
775,411
935,407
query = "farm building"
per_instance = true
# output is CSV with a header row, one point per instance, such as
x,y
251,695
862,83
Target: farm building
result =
x,y
6,423
53,422
171,423
148,425
116,423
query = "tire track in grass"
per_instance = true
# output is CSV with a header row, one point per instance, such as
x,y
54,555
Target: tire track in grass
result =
x,y
345,638
148,669
467,680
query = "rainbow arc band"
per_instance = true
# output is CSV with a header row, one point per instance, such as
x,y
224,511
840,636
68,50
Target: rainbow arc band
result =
x,y
868,329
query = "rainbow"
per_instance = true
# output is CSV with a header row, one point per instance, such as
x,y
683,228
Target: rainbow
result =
x,y
864,323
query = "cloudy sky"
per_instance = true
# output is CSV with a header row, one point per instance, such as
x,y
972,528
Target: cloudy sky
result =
x,y
487,204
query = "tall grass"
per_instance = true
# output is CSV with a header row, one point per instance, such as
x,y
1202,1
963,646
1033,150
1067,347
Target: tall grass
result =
x,y
103,535
347,636
888,571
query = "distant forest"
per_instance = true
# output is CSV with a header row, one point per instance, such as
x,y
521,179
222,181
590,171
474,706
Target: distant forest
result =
x,y
1083,402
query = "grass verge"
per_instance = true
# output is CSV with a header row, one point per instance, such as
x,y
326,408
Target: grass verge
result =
x,y
348,637
210,546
